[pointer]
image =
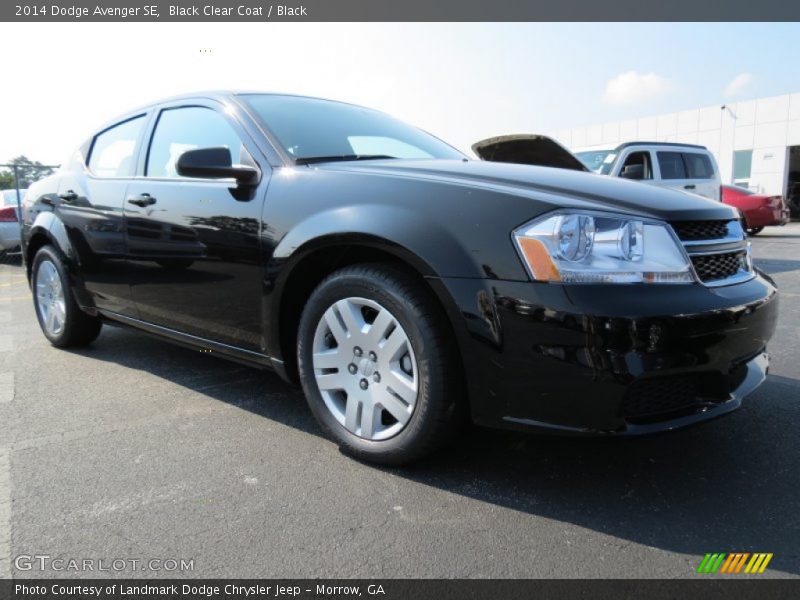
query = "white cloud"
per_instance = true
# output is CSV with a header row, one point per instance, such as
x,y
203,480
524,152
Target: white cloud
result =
x,y
737,85
633,88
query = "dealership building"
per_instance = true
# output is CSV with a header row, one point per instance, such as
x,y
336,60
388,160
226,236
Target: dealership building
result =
x,y
756,142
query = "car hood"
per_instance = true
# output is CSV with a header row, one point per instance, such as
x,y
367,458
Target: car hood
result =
x,y
562,188
527,149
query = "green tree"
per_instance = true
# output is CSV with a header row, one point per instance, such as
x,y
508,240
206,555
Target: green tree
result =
x,y
6,180
29,171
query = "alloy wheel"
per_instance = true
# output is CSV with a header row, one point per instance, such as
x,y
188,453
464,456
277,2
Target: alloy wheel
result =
x,y
51,302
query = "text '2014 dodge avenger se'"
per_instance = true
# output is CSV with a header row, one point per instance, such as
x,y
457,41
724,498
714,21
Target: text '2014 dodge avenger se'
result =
x,y
405,286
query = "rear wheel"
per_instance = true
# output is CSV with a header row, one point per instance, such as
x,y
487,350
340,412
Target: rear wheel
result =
x,y
754,230
378,367
61,319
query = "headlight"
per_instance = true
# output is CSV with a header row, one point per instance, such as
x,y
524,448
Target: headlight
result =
x,y
575,247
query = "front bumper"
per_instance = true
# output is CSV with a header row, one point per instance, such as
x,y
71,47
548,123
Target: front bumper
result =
x,y
610,359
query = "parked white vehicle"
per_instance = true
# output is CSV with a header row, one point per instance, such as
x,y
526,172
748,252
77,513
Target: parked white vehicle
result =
x,y
683,167
9,222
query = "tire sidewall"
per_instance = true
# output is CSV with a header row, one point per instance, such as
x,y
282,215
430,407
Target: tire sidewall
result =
x,y
345,285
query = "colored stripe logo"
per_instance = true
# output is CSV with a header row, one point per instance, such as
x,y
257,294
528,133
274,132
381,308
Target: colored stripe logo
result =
x,y
735,562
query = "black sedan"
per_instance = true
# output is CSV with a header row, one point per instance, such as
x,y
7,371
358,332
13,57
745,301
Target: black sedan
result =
x,y
406,287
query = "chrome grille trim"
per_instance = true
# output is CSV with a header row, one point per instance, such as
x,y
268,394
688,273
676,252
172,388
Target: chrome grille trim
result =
x,y
728,248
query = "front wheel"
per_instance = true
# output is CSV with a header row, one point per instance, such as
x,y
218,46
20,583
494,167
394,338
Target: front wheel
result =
x,y
755,230
61,319
378,365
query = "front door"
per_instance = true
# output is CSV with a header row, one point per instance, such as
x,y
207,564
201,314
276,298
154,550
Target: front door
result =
x,y
192,244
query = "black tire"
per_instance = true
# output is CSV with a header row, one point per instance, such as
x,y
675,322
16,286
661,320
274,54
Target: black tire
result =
x,y
79,328
440,406
755,230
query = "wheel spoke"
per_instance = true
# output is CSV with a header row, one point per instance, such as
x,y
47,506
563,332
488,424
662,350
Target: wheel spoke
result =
x,y
328,359
332,381
351,316
402,385
397,409
370,419
351,415
51,319
394,344
381,324
60,311
335,326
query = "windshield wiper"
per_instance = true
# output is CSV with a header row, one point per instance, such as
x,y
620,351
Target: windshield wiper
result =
x,y
307,160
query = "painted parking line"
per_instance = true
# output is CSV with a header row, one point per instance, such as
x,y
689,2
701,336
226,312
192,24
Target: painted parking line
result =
x,y
5,513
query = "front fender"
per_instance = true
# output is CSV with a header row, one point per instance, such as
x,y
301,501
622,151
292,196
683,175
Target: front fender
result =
x,y
425,244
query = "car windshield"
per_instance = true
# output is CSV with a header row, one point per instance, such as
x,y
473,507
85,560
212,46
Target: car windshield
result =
x,y
599,161
314,130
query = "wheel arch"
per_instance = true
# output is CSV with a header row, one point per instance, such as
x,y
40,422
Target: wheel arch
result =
x,y
320,257
48,229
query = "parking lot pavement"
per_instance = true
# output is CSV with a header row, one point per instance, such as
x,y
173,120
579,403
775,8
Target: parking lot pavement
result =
x,y
136,449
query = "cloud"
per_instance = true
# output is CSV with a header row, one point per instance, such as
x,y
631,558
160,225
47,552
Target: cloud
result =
x,y
633,88
737,85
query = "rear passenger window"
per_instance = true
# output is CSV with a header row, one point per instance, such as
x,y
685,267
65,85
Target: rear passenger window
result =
x,y
112,150
698,166
671,165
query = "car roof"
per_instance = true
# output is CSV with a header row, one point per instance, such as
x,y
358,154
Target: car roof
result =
x,y
667,144
219,95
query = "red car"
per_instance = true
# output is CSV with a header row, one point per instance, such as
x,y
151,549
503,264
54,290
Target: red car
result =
x,y
759,211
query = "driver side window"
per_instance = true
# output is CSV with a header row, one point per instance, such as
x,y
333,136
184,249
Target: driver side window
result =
x,y
188,128
638,165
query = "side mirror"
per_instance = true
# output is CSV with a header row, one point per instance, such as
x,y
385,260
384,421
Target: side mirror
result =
x,y
633,172
214,163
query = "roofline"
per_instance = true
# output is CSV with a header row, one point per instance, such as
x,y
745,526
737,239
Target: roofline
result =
x,y
217,95
670,144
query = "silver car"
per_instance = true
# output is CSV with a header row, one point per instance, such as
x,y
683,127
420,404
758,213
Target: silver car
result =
x,y
9,221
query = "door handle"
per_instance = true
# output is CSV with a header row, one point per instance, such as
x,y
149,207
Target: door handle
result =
x,y
689,187
142,200
68,196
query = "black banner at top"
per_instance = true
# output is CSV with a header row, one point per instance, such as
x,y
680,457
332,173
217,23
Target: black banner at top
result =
x,y
399,10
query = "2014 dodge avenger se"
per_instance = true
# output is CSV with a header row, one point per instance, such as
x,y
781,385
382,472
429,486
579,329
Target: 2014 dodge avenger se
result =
x,y
405,286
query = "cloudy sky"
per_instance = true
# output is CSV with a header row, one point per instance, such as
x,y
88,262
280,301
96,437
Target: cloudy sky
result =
x,y
462,82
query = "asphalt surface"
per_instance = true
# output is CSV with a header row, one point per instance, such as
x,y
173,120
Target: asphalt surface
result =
x,y
136,449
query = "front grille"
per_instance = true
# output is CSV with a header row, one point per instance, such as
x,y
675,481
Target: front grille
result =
x,y
713,267
693,231
718,250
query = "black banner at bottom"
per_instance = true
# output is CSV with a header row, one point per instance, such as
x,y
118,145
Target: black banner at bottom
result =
x,y
394,589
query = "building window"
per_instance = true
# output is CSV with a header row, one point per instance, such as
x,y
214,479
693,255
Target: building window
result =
x,y
742,165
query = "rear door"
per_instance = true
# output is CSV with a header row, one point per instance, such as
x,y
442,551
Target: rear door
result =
x,y
692,172
193,244
672,171
90,199
701,172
